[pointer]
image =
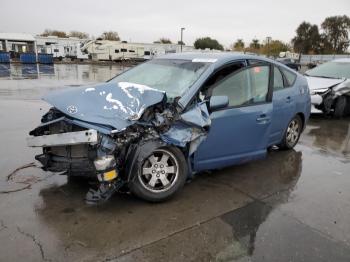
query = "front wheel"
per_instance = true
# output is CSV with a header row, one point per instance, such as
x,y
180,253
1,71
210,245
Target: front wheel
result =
x,y
292,134
160,175
339,107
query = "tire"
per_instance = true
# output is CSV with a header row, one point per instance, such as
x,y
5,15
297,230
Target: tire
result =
x,y
339,107
292,134
160,176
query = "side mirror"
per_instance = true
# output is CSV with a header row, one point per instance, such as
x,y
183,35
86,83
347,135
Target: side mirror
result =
x,y
218,102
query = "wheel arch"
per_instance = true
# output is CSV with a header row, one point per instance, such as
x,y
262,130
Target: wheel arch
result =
x,y
303,120
139,152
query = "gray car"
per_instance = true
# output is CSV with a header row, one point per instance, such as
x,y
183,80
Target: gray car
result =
x,y
329,86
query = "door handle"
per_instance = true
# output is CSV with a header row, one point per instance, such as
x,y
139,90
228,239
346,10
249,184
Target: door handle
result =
x,y
288,99
263,118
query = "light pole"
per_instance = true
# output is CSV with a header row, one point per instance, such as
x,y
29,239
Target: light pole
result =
x,y
181,43
268,39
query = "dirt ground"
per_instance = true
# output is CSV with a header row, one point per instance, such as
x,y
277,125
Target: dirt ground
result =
x,y
292,206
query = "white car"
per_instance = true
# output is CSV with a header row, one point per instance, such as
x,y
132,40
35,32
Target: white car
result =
x,y
329,86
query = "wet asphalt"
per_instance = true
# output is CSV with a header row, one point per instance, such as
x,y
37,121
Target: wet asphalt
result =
x,y
292,206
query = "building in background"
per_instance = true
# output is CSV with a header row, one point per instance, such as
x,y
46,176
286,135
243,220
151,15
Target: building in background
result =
x,y
17,43
76,48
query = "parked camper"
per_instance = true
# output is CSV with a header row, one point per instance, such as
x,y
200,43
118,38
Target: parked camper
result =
x,y
74,52
116,50
57,51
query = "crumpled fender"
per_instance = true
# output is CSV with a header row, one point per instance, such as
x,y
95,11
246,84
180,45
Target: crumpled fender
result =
x,y
342,89
136,155
191,129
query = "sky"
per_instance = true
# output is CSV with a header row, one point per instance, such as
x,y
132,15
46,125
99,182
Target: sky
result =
x,y
149,20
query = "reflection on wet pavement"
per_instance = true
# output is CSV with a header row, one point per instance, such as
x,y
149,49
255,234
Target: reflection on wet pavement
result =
x,y
31,81
332,136
292,206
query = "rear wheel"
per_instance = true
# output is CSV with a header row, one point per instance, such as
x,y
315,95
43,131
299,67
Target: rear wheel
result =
x,y
292,134
339,107
161,175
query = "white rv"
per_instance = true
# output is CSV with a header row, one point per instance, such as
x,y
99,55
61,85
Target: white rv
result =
x,y
116,50
113,50
56,50
73,51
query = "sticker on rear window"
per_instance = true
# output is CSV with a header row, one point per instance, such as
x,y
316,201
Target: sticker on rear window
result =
x,y
204,60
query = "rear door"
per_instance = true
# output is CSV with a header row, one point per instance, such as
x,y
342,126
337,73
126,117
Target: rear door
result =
x,y
284,104
240,132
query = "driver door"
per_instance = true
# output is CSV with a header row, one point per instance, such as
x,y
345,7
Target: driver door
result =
x,y
240,132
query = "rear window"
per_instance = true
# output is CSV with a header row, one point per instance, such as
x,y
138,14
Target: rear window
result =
x,y
290,76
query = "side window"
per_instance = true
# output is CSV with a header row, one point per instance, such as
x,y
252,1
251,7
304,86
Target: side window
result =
x,y
218,76
277,79
247,86
290,76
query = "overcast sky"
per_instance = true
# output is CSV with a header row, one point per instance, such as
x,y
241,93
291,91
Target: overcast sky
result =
x,y
148,20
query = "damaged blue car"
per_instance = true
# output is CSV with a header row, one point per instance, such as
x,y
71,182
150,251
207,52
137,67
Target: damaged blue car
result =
x,y
152,127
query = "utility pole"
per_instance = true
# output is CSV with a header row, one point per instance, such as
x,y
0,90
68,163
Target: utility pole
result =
x,y
268,39
182,29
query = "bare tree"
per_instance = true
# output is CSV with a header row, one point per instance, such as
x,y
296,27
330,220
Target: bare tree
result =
x,y
57,33
110,35
78,34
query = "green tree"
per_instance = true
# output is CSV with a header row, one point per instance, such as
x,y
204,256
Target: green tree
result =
x,y
207,42
49,32
336,30
307,40
274,48
238,45
110,35
78,34
254,44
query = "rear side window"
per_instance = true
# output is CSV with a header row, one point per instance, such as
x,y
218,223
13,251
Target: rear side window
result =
x,y
277,79
290,77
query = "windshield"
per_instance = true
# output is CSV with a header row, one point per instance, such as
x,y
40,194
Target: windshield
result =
x,y
170,75
331,70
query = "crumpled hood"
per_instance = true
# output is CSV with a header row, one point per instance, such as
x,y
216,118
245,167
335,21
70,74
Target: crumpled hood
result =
x,y
114,104
321,83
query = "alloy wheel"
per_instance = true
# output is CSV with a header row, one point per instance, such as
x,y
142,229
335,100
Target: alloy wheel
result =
x,y
293,132
159,171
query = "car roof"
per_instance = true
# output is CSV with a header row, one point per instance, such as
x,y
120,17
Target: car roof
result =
x,y
220,57
342,60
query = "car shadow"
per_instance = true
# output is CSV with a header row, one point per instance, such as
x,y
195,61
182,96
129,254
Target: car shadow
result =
x,y
125,222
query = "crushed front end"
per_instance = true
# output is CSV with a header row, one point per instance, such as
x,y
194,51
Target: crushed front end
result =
x,y
101,132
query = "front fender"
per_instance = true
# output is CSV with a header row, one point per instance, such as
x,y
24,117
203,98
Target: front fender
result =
x,y
136,155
